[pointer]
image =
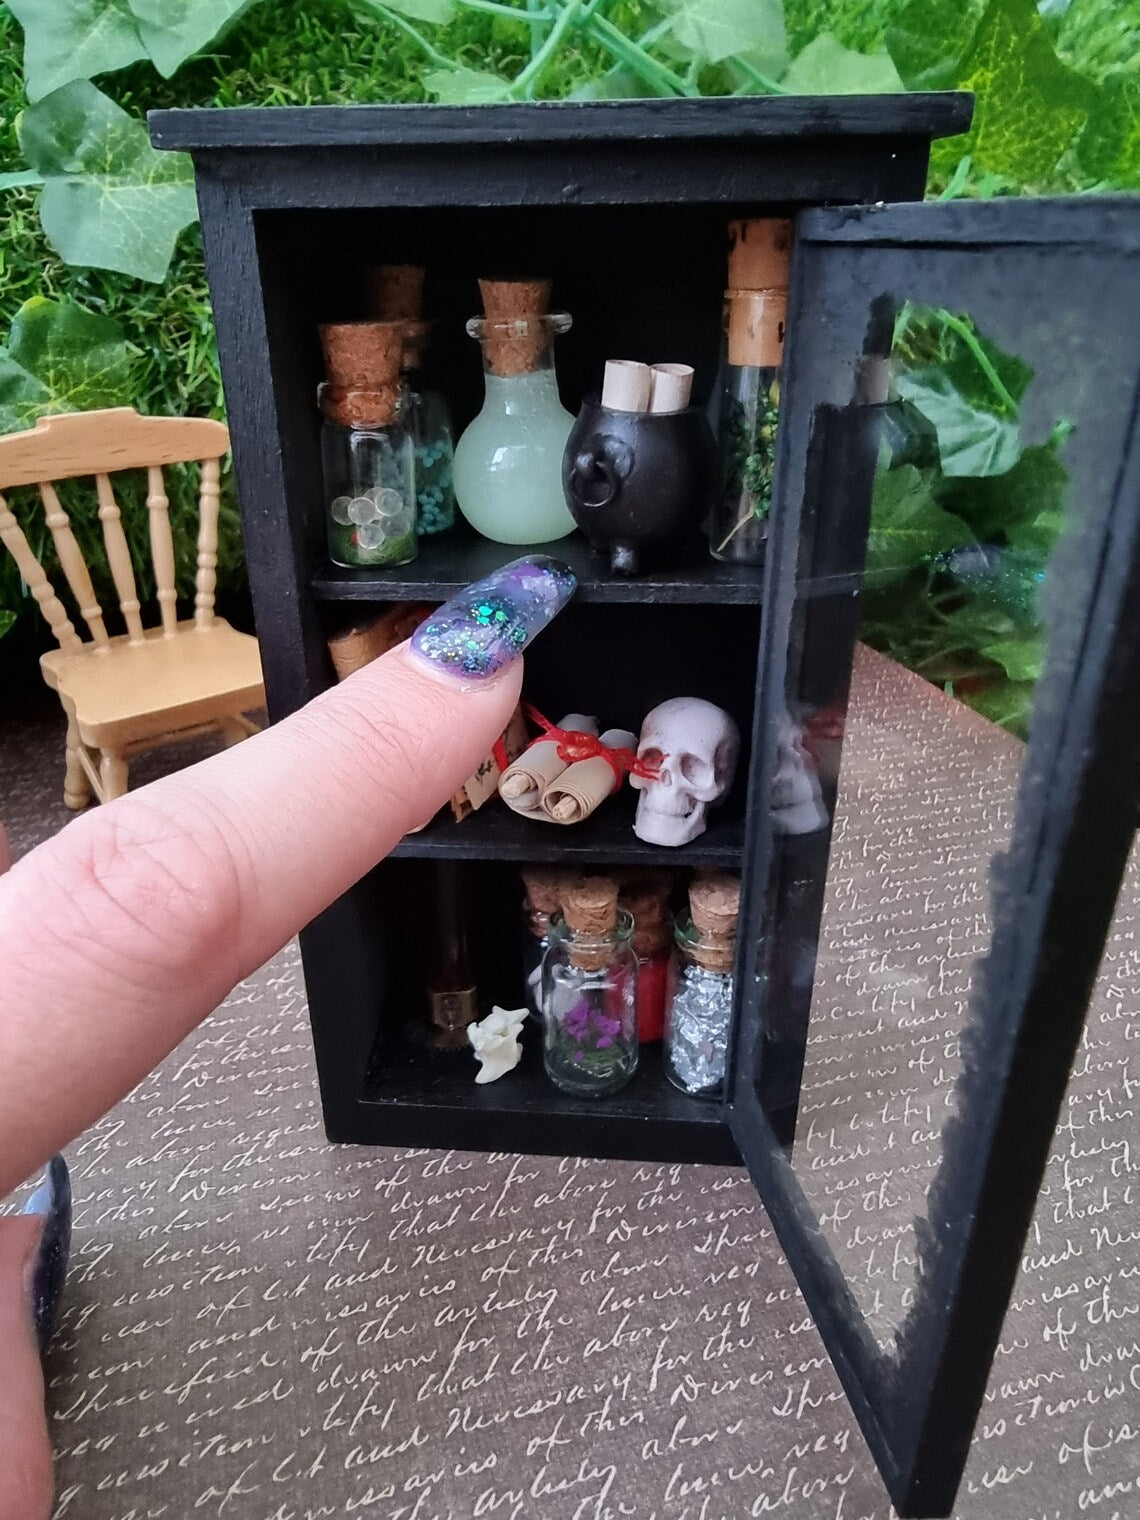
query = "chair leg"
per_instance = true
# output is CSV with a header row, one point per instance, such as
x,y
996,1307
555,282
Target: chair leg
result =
x,y
234,729
76,786
113,775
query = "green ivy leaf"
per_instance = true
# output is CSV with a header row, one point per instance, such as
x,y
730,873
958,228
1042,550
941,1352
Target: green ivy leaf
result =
x,y
1025,506
929,336
928,38
1109,147
441,12
1030,106
466,87
826,67
172,31
720,29
61,358
19,177
1020,658
971,439
74,39
66,40
1008,703
908,527
6,620
109,200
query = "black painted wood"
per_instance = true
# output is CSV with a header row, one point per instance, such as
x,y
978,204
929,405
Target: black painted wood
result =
x,y
416,1094
449,561
1055,889
739,122
295,205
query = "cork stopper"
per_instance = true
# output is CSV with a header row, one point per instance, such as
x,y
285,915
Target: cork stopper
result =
x,y
590,911
760,252
645,898
396,291
396,294
547,889
756,322
714,902
590,907
362,361
514,339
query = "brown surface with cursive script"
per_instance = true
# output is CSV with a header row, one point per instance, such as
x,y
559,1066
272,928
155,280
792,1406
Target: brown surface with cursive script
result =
x,y
264,1327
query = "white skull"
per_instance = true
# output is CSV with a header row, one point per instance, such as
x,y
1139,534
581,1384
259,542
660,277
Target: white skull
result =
x,y
694,745
797,801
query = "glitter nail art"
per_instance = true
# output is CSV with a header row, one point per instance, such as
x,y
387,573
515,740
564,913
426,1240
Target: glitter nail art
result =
x,y
491,622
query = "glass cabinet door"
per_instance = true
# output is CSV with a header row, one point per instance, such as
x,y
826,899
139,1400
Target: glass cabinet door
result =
x,y
948,786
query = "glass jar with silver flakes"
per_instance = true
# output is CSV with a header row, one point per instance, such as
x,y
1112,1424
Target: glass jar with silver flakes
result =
x,y
699,1015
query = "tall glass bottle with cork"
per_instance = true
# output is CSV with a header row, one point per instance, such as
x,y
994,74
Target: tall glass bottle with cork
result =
x,y
367,452
745,404
508,463
699,1020
589,993
395,294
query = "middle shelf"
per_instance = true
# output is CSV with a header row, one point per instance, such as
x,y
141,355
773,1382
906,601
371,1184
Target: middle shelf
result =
x,y
447,562
495,833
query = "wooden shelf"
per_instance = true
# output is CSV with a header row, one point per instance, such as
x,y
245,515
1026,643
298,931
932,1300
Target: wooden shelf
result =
x,y
413,1096
495,833
447,563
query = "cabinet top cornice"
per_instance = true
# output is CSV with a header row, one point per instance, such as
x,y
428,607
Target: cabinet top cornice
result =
x,y
724,119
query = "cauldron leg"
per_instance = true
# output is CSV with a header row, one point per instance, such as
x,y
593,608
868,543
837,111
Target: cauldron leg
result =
x,y
623,559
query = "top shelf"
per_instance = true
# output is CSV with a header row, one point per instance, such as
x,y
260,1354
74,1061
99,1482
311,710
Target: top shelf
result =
x,y
444,565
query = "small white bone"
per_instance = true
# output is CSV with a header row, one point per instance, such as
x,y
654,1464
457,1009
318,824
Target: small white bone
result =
x,y
495,1041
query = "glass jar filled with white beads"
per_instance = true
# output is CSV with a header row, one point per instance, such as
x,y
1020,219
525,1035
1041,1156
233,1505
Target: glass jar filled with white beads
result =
x,y
367,447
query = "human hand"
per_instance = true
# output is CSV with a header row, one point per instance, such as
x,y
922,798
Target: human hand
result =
x,y
124,931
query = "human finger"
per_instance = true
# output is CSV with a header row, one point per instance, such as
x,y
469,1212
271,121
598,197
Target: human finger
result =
x,y
127,928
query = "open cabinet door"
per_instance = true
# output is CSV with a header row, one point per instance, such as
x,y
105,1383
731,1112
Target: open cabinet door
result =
x,y
959,486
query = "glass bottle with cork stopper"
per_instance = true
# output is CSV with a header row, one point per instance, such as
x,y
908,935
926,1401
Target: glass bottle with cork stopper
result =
x,y
746,403
645,897
508,463
367,452
546,891
395,294
699,1020
452,994
589,993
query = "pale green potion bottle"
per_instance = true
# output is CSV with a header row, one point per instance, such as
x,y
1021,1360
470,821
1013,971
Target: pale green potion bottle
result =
x,y
508,463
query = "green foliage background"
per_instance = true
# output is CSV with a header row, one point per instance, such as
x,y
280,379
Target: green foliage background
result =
x,y
1057,85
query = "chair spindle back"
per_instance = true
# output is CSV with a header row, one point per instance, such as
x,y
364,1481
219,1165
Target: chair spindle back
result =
x,y
99,444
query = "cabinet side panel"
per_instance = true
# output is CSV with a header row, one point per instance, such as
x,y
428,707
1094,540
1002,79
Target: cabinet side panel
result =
x,y
278,554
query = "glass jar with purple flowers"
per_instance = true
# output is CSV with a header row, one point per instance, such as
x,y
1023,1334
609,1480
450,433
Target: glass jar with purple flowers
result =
x,y
589,993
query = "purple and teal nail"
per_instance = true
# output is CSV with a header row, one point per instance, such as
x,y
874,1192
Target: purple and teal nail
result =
x,y
52,1199
489,624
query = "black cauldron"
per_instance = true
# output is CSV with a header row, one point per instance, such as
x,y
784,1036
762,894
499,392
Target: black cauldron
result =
x,y
639,484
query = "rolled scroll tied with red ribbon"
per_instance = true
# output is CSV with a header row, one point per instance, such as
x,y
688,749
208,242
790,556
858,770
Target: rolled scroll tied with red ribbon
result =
x,y
569,771
585,784
522,784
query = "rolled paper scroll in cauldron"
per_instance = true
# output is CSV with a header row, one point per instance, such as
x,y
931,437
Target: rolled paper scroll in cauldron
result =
x,y
585,785
522,784
640,484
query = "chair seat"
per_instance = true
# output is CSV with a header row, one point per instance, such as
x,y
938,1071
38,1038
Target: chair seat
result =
x,y
190,677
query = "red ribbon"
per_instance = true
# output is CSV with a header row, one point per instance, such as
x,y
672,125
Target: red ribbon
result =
x,y
574,745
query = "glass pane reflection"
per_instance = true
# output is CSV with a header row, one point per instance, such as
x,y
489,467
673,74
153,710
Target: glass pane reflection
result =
x,y
906,774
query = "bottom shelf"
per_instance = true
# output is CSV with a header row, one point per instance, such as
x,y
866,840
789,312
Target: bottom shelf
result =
x,y
416,1097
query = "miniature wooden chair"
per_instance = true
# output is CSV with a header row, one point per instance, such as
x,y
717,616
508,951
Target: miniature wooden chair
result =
x,y
148,686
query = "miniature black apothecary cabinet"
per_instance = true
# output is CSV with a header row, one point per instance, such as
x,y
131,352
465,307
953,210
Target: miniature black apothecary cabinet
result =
x,y
625,205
